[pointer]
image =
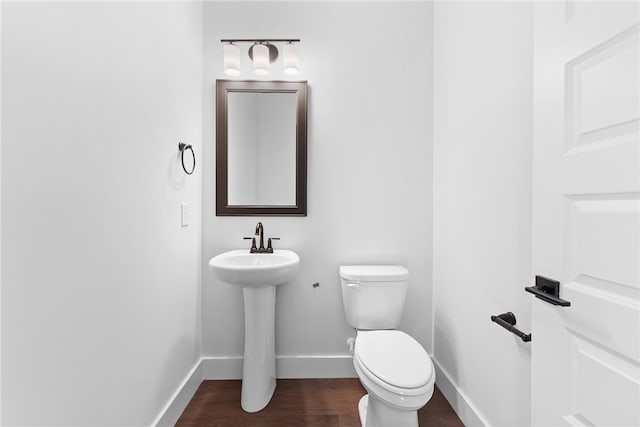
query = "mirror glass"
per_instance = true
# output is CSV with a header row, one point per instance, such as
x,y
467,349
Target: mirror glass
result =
x,y
261,148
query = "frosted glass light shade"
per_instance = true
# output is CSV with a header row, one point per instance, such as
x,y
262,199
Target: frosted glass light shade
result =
x,y
291,61
261,63
231,59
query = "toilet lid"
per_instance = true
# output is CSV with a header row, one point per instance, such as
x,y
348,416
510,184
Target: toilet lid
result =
x,y
394,357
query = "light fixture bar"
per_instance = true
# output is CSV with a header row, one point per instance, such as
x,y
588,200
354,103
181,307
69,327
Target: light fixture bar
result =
x,y
259,40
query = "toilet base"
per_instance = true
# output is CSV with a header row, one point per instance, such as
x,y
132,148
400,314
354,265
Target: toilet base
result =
x,y
374,413
362,408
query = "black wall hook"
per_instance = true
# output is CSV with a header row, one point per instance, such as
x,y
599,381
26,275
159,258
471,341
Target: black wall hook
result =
x,y
182,147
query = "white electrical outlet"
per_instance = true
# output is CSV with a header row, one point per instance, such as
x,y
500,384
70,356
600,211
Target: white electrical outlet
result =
x,y
185,214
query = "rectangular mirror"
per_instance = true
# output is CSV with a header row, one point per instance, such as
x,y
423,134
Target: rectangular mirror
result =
x,y
261,148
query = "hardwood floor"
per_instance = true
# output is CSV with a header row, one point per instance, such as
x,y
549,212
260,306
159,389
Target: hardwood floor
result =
x,y
295,403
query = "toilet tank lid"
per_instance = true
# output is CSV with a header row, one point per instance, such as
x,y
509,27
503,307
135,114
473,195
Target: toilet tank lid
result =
x,y
374,273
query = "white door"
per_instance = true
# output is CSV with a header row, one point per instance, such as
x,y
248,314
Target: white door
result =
x,y
586,219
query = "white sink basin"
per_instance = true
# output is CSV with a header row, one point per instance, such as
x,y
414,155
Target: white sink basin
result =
x,y
239,267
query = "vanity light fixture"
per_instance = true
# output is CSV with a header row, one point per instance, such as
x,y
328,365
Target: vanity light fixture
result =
x,y
263,52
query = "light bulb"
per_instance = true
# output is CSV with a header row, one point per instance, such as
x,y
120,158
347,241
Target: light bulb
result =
x,y
231,60
261,63
291,61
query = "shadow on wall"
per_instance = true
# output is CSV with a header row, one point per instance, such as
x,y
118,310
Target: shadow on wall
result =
x,y
175,174
446,351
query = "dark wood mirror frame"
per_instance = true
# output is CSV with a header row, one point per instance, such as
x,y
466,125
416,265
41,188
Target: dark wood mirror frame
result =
x,y
223,88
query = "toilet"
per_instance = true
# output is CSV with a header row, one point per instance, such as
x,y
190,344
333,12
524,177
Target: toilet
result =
x,y
392,366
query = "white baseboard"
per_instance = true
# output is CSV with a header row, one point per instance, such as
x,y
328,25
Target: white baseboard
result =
x,y
333,366
466,411
222,368
180,399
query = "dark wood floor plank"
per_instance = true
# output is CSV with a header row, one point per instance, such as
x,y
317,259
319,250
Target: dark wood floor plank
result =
x,y
289,421
349,420
438,412
297,402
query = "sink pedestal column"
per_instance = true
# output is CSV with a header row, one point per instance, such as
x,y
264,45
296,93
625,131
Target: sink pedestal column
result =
x,y
259,367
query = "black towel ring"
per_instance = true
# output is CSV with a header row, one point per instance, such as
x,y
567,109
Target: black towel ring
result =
x,y
184,147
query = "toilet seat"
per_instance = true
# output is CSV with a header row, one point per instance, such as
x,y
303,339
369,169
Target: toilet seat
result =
x,y
395,358
379,342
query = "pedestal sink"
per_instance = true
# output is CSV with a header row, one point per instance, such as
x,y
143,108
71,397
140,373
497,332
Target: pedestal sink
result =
x,y
258,275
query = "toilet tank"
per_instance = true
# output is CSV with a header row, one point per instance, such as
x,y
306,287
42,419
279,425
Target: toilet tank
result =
x,y
374,295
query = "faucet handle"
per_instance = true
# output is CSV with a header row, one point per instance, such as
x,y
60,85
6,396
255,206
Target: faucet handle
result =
x,y
253,243
269,242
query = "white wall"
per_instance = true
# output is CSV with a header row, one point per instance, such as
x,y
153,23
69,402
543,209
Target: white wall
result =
x,y
0,212
370,167
100,284
482,205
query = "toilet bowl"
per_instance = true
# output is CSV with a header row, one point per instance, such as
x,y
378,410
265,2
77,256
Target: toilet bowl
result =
x,y
392,366
397,374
